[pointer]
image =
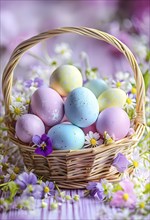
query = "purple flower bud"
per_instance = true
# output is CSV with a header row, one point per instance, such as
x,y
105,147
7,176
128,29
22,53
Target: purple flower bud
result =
x,y
121,163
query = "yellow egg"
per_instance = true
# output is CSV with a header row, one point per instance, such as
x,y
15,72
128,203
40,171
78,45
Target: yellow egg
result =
x,y
66,78
113,97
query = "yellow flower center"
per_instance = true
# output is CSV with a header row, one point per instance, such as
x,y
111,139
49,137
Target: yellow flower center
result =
x,y
30,188
28,101
142,205
16,170
118,84
129,101
17,111
12,176
125,196
135,163
93,142
19,99
133,90
46,189
43,145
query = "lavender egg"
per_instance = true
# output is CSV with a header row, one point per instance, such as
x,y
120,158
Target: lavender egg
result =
x,y
27,126
48,105
114,121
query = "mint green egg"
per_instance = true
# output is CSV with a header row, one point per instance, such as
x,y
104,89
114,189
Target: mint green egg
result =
x,y
97,86
112,97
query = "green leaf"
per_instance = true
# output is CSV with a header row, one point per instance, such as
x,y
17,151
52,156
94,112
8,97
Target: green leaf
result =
x,y
13,189
148,56
146,76
147,188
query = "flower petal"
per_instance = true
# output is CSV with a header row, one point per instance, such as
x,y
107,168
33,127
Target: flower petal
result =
x,y
36,139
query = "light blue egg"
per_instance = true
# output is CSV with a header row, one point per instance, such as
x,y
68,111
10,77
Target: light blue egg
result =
x,y
81,107
97,86
66,137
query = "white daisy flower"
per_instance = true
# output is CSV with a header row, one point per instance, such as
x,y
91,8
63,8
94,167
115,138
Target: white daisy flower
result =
x,y
125,77
108,139
92,139
17,109
18,98
120,84
131,88
64,50
130,103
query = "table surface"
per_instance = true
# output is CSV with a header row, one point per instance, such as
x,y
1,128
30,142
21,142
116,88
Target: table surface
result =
x,y
85,209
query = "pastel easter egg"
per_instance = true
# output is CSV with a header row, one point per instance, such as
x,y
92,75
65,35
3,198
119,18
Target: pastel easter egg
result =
x,y
48,105
66,78
97,86
114,121
112,97
66,137
27,126
90,128
81,107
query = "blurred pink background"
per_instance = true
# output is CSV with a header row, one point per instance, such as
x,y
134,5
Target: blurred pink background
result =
x,y
127,20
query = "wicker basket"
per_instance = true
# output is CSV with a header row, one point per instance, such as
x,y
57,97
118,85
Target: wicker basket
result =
x,y
74,168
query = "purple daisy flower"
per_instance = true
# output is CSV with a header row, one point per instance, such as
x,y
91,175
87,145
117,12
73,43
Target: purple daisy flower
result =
x,y
48,188
37,82
25,179
44,145
96,190
121,163
33,190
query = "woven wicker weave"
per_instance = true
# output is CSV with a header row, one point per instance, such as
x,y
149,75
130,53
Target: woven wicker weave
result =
x,y
73,169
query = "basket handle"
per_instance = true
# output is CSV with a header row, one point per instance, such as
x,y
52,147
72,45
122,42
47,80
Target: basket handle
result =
x,y
7,78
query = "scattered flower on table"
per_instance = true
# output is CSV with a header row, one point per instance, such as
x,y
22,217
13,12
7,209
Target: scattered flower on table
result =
x,y
25,179
95,189
92,139
48,188
44,145
125,197
35,191
120,162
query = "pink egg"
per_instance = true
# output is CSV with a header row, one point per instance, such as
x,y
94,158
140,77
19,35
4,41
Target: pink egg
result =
x,y
114,121
48,105
27,126
90,128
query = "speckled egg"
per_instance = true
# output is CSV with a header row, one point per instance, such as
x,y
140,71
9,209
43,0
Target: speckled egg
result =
x,y
27,126
48,105
66,78
112,97
114,121
97,86
81,107
66,137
